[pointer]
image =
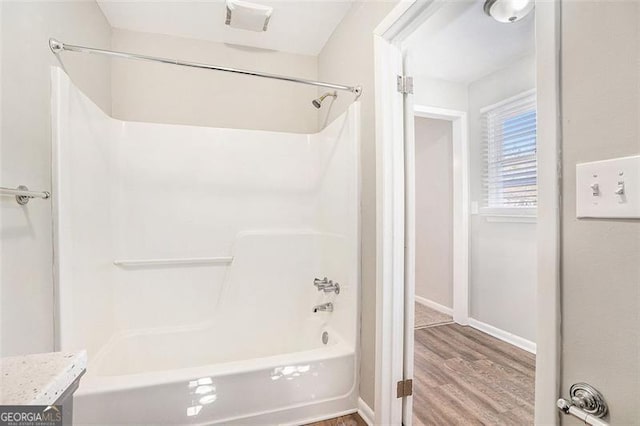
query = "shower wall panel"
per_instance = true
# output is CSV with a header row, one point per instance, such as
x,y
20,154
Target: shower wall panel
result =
x,y
83,160
277,209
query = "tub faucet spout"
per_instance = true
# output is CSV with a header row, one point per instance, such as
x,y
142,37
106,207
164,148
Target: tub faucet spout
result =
x,y
325,307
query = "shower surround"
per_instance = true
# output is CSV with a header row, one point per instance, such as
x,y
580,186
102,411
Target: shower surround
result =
x,y
185,259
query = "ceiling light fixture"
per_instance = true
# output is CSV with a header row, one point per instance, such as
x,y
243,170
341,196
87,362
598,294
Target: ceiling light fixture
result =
x,y
508,11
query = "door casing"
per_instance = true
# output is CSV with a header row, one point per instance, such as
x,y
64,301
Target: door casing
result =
x,y
392,337
461,203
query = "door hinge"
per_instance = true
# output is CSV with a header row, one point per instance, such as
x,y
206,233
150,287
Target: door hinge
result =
x,y
405,388
404,84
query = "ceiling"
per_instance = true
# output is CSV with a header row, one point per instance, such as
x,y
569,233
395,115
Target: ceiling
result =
x,y
460,43
296,26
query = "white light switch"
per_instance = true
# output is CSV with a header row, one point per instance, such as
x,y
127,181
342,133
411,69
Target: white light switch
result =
x,y
609,188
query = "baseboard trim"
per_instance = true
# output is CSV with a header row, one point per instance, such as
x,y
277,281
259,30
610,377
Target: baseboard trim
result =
x,y
505,336
433,305
366,412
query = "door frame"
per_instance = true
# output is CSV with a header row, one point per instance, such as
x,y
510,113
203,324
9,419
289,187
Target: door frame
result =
x,y
391,197
461,203
460,189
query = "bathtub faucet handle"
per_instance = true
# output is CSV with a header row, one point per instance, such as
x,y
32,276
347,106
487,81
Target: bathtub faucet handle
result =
x,y
321,283
326,285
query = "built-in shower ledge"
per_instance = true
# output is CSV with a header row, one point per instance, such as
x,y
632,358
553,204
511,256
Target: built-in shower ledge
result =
x,y
132,263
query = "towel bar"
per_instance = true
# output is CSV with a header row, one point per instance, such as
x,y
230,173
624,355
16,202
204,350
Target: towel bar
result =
x,y
586,403
23,195
568,408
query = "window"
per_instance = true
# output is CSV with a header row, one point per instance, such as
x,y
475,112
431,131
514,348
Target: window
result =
x,y
510,170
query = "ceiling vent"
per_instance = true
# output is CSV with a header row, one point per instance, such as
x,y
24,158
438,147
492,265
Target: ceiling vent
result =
x,y
248,16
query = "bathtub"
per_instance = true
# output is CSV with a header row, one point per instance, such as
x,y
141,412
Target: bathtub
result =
x,y
134,381
260,359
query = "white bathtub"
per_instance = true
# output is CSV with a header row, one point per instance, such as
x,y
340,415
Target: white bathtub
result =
x,y
134,381
260,359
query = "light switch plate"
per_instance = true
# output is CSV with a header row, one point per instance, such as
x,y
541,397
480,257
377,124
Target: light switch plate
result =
x,y
609,189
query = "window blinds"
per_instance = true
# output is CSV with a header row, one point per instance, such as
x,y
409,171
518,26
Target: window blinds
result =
x,y
509,153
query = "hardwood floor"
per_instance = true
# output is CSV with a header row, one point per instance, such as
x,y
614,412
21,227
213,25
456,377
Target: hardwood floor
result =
x,y
350,420
427,317
465,377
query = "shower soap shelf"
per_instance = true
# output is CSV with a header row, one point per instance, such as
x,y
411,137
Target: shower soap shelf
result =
x,y
132,263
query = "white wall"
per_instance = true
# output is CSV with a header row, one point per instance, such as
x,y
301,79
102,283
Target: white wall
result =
x,y
600,258
160,93
434,210
348,58
26,300
439,93
502,254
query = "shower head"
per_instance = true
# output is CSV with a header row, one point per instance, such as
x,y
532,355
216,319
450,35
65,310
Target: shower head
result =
x,y
318,102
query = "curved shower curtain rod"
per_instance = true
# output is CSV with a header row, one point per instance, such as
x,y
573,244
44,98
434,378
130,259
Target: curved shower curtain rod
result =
x,y
58,46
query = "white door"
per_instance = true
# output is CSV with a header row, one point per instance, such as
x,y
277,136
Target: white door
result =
x,y
410,238
398,269
390,296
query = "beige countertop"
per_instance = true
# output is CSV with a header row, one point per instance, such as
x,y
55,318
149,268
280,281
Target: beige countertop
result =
x,y
39,379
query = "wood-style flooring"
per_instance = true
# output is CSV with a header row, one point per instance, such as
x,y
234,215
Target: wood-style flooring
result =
x,y
350,420
427,317
465,377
